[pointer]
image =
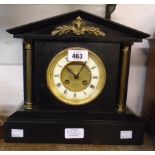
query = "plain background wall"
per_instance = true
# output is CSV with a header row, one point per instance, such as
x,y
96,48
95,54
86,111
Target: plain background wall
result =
x,y
11,80
140,17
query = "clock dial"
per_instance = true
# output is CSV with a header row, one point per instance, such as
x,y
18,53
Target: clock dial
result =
x,y
70,79
76,83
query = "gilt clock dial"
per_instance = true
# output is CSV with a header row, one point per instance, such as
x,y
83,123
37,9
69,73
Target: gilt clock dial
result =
x,y
76,82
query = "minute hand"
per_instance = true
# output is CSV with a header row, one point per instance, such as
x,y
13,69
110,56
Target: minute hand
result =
x,y
70,71
77,75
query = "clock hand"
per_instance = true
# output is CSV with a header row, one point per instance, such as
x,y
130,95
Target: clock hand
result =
x,y
70,72
77,75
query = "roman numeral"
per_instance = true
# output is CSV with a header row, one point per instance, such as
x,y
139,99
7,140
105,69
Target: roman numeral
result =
x,y
66,59
95,77
93,67
92,86
85,93
65,92
60,66
74,95
58,85
57,75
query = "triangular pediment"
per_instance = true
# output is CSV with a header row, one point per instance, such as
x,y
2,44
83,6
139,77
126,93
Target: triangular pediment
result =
x,y
78,25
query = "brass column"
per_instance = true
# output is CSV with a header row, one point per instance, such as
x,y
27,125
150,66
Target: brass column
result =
x,y
28,75
125,61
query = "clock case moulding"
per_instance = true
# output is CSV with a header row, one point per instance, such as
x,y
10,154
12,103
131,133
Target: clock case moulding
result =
x,y
43,118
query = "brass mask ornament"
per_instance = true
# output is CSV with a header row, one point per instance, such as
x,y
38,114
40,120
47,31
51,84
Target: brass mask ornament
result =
x,y
78,27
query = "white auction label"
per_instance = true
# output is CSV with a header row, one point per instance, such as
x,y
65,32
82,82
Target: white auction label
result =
x,y
127,134
17,133
77,55
74,133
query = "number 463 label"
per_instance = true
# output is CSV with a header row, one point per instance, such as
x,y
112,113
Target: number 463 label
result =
x,y
77,55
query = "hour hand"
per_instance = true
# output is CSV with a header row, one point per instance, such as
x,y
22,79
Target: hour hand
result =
x,y
70,71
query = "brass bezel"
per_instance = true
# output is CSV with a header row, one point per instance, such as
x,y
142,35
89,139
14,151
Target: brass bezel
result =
x,y
75,102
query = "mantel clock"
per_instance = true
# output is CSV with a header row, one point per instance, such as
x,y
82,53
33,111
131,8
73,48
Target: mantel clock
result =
x,y
75,82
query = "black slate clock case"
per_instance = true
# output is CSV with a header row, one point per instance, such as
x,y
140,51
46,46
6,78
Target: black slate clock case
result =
x,y
45,51
106,119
